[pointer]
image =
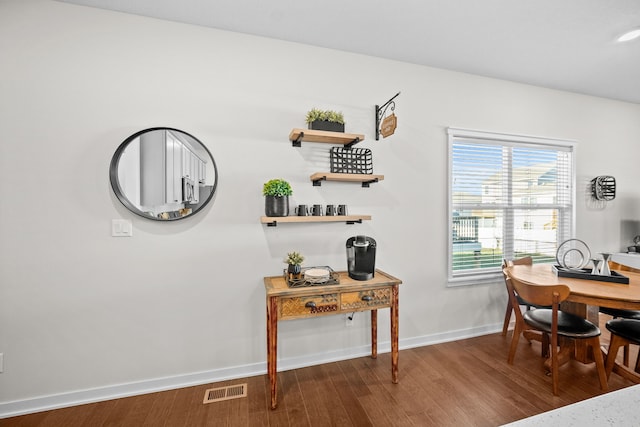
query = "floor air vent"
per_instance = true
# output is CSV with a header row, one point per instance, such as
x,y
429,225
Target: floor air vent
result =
x,y
225,393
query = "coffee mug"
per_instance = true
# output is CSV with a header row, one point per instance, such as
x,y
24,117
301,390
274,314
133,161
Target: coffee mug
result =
x,y
316,210
342,210
302,210
332,210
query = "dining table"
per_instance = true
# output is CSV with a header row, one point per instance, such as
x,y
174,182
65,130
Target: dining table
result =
x,y
585,298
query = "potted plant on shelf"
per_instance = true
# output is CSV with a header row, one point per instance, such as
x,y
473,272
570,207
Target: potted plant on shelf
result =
x,y
325,120
294,260
276,192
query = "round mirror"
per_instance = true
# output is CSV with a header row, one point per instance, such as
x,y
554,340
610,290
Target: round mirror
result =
x,y
163,174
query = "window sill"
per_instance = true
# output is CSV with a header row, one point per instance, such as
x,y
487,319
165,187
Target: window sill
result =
x,y
471,280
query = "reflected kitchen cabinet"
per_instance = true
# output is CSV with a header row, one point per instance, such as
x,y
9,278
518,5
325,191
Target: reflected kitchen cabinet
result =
x,y
161,173
166,170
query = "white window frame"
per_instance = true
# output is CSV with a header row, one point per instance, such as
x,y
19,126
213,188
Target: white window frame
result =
x,y
494,275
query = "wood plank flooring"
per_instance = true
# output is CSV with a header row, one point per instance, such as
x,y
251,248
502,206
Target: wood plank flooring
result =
x,y
462,383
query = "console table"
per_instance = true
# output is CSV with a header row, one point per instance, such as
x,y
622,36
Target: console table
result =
x,y
285,303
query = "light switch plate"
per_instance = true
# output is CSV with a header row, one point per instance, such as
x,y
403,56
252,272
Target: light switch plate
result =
x,y
121,228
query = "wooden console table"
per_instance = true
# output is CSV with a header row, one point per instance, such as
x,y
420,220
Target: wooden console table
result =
x,y
285,303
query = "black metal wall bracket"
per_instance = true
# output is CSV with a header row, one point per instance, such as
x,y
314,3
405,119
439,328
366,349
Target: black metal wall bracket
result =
x,y
380,112
272,224
298,141
358,221
365,184
318,182
352,143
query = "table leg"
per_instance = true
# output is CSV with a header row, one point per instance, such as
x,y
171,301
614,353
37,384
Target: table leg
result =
x,y
583,352
394,334
567,350
272,348
374,334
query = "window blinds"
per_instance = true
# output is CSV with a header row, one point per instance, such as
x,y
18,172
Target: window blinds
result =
x,y
509,197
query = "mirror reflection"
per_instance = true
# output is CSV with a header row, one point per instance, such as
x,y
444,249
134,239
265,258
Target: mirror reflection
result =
x,y
163,174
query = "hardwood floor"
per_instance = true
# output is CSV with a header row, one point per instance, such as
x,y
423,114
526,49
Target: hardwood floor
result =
x,y
462,383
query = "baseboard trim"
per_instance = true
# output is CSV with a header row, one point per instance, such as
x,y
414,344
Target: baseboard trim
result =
x,y
80,397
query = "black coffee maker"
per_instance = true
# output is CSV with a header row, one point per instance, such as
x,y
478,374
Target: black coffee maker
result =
x,y
361,257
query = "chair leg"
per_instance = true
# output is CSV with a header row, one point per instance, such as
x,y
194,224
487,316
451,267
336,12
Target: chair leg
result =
x,y
597,356
514,343
614,344
637,369
554,367
507,319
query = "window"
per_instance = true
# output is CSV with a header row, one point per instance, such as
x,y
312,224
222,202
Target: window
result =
x,y
509,196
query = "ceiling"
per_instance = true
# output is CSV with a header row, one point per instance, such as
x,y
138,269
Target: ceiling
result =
x,y
561,44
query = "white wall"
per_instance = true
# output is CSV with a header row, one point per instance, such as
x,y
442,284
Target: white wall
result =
x,y
84,315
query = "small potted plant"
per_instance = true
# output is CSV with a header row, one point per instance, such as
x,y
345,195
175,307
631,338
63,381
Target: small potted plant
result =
x,y
325,120
276,192
294,260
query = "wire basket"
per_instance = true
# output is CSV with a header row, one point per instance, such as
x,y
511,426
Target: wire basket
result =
x,y
351,160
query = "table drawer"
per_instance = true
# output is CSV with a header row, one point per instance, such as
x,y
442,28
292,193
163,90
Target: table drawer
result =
x,y
362,300
312,305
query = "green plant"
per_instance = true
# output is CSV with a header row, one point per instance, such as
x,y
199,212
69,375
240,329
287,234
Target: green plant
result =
x,y
276,187
324,115
294,258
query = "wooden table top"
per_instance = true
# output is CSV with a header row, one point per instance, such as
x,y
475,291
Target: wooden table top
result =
x,y
277,285
591,292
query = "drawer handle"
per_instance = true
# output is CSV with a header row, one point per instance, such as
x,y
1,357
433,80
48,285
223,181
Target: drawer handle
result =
x,y
310,304
367,298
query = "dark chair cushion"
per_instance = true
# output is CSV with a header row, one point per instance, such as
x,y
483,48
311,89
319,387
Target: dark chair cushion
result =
x,y
618,312
626,328
569,325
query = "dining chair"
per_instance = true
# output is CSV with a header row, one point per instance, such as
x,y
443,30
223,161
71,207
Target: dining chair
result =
x,y
623,333
514,307
554,323
520,326
617,313
510,306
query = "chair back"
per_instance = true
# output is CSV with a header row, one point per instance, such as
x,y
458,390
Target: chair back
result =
x,y
520,261
617,266
543,295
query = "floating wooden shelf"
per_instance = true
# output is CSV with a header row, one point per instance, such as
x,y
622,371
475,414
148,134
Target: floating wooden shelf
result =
x,y
272,221
308,135
365,179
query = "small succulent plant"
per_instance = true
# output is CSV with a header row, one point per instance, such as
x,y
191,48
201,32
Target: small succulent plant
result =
x,y
294,258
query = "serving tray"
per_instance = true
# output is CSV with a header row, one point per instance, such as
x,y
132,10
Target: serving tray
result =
x,y
334,278
585,273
